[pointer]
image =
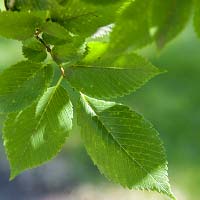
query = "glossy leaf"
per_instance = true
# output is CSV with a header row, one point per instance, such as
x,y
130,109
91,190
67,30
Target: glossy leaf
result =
x,y
37,134
125,147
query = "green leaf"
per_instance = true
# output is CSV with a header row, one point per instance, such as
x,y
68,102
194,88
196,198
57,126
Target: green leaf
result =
x,y
125,147
68,52
96,50
197,17
34,50
27,4
77,15
132,26
110,76
170,20
20,25
21,84
21,5
102,1
55,33
37,134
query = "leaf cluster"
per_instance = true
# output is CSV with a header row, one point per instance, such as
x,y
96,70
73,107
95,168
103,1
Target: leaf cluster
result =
x,y
93,45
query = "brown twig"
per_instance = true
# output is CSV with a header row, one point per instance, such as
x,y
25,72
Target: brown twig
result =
x,y
48,48
37,33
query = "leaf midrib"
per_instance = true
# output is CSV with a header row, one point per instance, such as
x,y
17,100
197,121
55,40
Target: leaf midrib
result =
x,y
81,15
50,99
125,151
105,67
40,120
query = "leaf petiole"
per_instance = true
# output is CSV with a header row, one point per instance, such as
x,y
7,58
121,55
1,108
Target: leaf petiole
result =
x,y
48,48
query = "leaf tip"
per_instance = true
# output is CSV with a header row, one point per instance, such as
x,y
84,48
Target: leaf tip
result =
x,y
13,175
172,196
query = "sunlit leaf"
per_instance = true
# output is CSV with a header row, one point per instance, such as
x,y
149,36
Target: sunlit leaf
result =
x,y
37,134
125,147
109,77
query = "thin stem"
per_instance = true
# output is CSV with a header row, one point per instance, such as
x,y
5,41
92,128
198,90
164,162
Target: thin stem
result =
x,y
59,81
48,48
62,71
37,33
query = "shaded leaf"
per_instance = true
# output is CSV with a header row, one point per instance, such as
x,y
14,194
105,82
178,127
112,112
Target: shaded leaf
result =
x,y
131,27
21,84
34,50
170,20
68,52
20,25
197,17
55,33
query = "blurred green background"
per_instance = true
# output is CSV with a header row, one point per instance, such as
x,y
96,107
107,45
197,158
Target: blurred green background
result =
x,y
170,101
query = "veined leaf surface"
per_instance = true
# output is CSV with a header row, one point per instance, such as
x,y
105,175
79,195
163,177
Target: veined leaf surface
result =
x,y
37,134
23,83
20,25
110,76
125,147
34,50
